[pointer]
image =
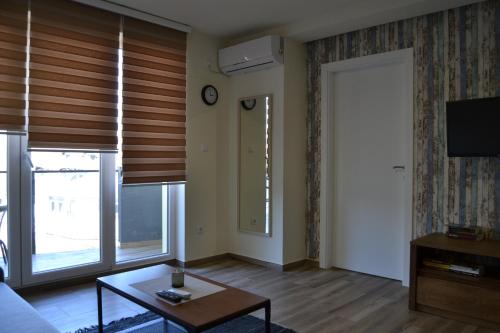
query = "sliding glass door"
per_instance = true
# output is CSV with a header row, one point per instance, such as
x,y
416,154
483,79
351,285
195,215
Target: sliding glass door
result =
x,y
10,231
143,230
66,214
66,202
4,216
63,209
66,210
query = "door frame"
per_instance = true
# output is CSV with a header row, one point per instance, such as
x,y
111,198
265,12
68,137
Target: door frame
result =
x,y
404,57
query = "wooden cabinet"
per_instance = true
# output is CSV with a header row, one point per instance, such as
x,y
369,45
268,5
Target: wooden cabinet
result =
x,y
462,297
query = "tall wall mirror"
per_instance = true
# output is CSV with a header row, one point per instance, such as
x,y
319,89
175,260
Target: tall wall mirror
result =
x,y
255,116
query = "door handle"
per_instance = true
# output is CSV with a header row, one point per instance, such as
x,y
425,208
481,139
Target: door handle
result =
x,y
398,167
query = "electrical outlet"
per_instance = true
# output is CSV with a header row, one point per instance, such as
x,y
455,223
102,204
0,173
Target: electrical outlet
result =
x,y
253,221
199,229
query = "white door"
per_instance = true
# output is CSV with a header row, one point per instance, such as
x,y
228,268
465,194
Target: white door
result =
x,y
370,110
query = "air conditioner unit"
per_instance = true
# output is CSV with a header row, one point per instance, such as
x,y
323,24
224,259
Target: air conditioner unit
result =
x,y
251,56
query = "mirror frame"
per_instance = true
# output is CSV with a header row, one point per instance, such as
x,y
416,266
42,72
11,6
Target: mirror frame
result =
x,y
270,111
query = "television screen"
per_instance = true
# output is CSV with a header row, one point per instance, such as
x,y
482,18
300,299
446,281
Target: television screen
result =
x,y
473,127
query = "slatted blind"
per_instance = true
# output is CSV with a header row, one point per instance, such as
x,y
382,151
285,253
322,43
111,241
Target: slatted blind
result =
x,y
154,103
73,77
13,40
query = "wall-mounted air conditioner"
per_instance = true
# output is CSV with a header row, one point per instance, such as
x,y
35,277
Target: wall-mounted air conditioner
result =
x,y
251,56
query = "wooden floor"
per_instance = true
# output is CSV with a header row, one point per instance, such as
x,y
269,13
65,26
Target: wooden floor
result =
x,y
306,299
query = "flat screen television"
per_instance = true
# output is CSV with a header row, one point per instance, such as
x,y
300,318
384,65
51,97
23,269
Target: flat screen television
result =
x,y
473,127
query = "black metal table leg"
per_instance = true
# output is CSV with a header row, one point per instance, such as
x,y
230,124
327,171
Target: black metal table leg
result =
x,y
268,317
99,307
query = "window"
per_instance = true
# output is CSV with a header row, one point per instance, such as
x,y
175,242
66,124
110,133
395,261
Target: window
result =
x,y
141,228
4,241
66,209
142,224
87,86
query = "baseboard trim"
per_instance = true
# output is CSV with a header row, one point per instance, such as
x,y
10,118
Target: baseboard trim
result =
x,y
202,261
33,289
57,284
258,262
292,265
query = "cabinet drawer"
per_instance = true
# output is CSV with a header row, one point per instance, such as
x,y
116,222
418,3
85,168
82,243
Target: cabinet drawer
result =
x,y
467,300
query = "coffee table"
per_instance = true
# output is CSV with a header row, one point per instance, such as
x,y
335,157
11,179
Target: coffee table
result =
x,y
196,315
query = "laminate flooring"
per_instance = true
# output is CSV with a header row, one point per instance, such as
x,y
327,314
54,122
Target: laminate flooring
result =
x,y
306,299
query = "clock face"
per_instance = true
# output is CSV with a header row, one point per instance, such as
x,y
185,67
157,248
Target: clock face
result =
x,y
249,104
209,95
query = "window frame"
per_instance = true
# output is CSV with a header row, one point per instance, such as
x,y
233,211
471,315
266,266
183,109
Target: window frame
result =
x,y
108,263
14,209
105,264
173,217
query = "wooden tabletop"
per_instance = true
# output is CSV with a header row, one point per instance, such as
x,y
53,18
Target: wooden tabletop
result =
x,y
489,248
201,313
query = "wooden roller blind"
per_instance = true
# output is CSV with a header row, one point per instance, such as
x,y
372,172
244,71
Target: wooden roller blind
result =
x,y
13,40
154,103
73,77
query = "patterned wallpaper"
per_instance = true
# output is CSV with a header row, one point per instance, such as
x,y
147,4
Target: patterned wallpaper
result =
x,y
456,56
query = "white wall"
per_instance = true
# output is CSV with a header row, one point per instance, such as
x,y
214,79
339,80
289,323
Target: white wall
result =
x,y
212,187
295,145
201,186
287,84
258,247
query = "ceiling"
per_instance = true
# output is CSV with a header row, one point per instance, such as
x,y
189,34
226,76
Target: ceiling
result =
x,y
304,20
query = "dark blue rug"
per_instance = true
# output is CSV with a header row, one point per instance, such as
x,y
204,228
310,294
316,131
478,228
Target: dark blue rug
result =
x,y
151,323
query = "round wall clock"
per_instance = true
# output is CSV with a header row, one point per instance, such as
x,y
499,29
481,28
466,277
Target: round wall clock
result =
x,y
248,104
209,95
